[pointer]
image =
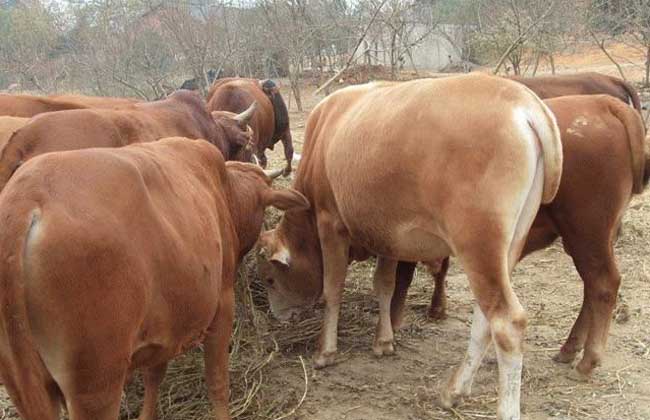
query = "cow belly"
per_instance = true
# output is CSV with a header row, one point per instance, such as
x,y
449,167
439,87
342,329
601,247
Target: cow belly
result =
x,y
402,241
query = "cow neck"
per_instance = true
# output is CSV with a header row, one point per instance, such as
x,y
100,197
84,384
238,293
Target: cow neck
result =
x,y
243,201
298,229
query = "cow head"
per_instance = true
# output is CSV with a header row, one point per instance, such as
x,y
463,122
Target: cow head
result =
x,y
290,265
251,193
238,135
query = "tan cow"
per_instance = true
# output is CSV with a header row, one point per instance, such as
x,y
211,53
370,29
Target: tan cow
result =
x,y
605,164
271,121
27,105
181,114
122,259
417,171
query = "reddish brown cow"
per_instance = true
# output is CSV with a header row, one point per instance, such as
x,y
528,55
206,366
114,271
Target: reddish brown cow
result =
x,y
28,105
181,114
416,171
603,140
271,121
119,259
589,83
8,126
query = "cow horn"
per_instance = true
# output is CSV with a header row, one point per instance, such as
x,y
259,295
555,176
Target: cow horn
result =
x,y
273,173
244,118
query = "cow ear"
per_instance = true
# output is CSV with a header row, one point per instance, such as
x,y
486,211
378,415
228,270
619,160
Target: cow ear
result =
x,y
287,199
278,256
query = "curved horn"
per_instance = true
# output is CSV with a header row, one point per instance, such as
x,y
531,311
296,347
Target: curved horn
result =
x,y
244,118
273,173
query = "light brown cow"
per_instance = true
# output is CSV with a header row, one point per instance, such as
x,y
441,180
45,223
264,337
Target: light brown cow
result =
x,y
8,126
589,83
27,105
181,114
118,259
417,171
605,163
271,121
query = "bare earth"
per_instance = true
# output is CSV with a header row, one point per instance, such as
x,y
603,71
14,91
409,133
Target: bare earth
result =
x,y
405,386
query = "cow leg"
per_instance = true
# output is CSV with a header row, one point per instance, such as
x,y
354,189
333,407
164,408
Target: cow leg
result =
x,y
97,399
153,377
384,285
287,144
403,279
438,308
216,345
460,384
501,316
261,156
335,265
601,282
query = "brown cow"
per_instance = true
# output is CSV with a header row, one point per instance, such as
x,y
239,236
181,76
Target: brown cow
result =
x,y
589,83
29,106
181,114
603,140
416,171
122,259
271,121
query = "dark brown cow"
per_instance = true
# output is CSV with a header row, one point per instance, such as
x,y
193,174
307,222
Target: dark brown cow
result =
x,y
28,105
119,259
416,171
271,121
605,164
589,83
181,114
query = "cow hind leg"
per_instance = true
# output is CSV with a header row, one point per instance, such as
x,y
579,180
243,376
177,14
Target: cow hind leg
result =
x,y
403,279
153,377
384,285
601,282
438,308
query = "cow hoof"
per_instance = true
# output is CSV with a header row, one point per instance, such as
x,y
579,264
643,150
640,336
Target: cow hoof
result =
x,y
437,314
578,376
449,399
383,348
322,360
564,357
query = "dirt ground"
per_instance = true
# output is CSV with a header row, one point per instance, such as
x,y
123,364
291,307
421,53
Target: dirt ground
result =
x,y
405,386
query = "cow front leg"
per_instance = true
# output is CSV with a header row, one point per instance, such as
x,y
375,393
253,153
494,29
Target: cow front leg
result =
x,y
384,285
216,355
335,264
287,144
153,377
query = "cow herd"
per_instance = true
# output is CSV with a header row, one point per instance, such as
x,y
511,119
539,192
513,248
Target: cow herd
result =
x,y
123,222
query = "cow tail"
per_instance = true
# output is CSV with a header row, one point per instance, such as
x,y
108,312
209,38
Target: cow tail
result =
x,y
23,372
635,131
545,127
632,94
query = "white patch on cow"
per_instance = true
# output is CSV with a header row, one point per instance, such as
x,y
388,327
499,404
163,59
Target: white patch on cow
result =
x,y
510,367
574,132
478,344
282,255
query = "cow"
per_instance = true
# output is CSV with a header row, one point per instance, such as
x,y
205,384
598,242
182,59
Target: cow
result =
x,y
270,123
115,259
181,114
27,106
589,83
602,140
415,171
